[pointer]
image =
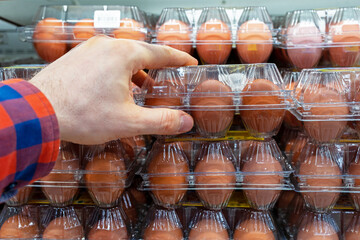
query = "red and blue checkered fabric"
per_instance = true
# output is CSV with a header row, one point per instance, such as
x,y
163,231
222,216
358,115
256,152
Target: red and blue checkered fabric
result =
x,y
29,136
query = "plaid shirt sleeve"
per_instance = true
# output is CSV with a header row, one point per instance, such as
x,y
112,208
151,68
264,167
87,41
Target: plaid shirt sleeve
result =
x,y
29,136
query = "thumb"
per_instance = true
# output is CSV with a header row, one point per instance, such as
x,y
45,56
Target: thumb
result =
x,y
163,121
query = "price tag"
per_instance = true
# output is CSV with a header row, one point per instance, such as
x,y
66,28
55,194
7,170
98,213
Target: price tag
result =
x,y
107,19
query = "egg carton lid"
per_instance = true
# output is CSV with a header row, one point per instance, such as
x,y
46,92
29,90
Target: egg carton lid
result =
x,y
104,18
327,94
318,29
180,85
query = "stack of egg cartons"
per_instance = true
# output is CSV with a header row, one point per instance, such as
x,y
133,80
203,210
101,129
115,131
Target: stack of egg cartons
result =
x,y
207,166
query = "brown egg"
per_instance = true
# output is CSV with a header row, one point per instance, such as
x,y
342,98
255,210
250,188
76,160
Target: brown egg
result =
x,y
354,169
49,39
19,226
319,230
207,119
352,235
295,211
21,197
214,42
353,229
133,145
175,34
255,229
63,228
255,42
322,167
106,186
304,34
166,93
83,30
285,199
104,234
109,224
169,167
129,29
59,187
208,229
129,206
299,145
129,146
262,122
325,131
212,172
345,34
164,229
262,163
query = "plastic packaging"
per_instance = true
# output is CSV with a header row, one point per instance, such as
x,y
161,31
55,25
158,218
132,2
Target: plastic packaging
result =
x,y
167,171
21,197
19,223
213,36
303,38
57,29
325,100
174,29
332,34
320,174
317,226
255,225
353,230
215,174
107,169
25,72
344,34
207,224
108,223
254,38
354,183
104,170
265,171
62,223
61,185
216,31
291,79
162,224
215,171
213,94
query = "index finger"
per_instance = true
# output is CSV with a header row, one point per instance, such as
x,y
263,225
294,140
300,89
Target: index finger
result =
x,y
151,56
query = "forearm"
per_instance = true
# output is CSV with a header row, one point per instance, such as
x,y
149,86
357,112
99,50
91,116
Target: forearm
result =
x,y
29,136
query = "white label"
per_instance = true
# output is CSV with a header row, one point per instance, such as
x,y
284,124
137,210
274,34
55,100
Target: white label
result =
x,y
107,19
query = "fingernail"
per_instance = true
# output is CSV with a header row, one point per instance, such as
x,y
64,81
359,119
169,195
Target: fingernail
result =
x,y
186,123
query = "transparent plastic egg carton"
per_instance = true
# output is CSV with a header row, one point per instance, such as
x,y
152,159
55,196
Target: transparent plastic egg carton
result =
x,y
326,101
57,29
194,223
214,170
307,36
213,94
214,31
105,171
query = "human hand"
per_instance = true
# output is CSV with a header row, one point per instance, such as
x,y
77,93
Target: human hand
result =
x,y
89,88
